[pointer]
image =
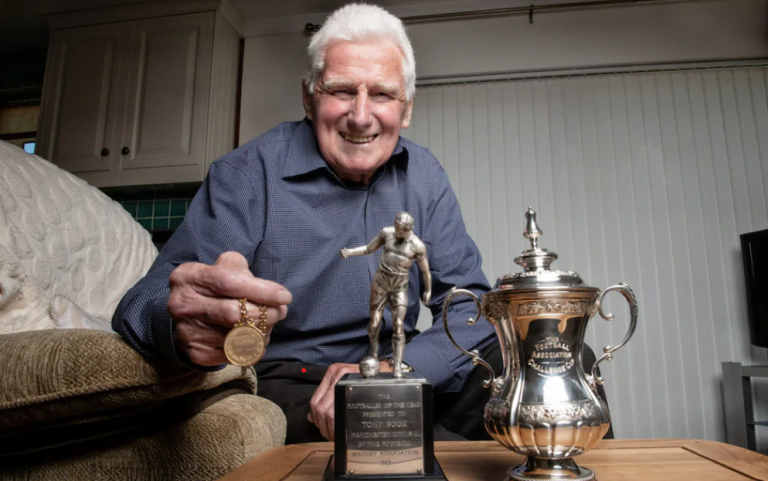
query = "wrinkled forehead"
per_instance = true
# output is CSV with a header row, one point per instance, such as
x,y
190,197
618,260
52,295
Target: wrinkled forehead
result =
x,y
376,43
381,49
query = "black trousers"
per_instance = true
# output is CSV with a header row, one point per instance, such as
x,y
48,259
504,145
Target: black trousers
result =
x,y
458,416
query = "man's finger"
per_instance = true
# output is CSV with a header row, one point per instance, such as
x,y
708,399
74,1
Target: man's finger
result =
x,y
189,331
326,408
320,392
204,355
326,404
316,403
216,281
319,420
226,312
322,402
329,426
345,369
331,377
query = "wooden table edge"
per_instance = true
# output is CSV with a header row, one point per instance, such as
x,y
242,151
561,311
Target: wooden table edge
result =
x,y
740,460
743,461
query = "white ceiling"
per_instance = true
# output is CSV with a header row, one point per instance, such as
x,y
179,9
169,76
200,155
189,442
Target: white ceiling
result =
x,y
22,26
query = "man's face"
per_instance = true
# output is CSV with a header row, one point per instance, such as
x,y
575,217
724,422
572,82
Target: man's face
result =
x,y
358,107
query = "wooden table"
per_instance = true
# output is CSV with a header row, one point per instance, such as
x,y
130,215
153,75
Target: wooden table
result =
x,y
611,460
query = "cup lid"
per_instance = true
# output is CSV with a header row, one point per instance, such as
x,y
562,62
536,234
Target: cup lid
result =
x,y
536,262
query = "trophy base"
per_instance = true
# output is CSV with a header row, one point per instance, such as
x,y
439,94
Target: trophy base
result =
x,y
330,475
539,469
383,425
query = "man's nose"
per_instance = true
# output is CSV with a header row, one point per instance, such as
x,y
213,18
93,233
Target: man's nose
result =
x,y
361,111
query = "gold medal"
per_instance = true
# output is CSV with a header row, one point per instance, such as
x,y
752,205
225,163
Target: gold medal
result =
x,y
245,344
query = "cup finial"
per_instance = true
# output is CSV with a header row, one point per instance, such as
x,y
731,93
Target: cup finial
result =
x,y
532,230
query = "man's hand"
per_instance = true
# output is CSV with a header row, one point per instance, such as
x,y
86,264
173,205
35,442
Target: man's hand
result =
x,y
322,414
204,304
344,252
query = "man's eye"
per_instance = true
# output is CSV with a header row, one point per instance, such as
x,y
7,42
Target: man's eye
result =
x,y
343,93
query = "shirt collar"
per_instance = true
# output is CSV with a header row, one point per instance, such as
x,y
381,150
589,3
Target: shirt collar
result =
x,y
304,156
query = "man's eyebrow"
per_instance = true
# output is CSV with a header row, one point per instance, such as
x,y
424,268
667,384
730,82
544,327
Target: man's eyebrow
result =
x,y
343,83
390,88
334,83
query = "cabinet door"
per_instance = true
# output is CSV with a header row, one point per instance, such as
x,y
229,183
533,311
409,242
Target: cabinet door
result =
x,y
168,98
82,97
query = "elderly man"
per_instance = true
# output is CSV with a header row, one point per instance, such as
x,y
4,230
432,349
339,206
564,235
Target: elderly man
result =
x,y
269,221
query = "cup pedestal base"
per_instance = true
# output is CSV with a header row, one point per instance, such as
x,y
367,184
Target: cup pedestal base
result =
x,y
539,469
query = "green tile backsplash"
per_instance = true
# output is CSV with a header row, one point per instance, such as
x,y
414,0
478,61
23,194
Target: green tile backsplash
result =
x,y
145,209
146,223
162,207
155,211
174,222
131,207
178,207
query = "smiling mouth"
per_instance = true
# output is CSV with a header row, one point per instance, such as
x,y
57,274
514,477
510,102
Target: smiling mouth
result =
x,y
357,140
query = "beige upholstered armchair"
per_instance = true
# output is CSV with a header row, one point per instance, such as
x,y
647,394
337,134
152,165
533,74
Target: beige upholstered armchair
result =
x,y
76,402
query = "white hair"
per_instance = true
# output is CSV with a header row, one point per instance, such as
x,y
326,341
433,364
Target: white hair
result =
x,y
361,22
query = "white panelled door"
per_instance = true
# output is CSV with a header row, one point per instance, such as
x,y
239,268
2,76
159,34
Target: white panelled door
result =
x,y
168,94
81,111
137,102
646,179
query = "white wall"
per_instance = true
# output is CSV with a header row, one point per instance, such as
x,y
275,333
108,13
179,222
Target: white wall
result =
x,y
642,178
651,33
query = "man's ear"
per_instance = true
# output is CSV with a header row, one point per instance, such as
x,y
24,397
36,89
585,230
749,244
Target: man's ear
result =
x,y
407,115
306,99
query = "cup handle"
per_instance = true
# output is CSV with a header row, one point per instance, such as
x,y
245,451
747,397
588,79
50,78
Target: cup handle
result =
x,y
473,354
629,295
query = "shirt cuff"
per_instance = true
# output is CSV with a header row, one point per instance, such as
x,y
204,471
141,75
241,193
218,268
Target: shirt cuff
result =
x,y
162,330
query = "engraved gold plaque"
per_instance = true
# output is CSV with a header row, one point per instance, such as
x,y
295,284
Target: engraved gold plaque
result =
x,y
244,346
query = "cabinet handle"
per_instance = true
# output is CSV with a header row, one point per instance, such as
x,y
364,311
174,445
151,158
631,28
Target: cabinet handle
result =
x,y
104,152
125,151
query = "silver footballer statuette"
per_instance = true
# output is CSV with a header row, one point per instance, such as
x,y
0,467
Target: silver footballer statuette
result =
x,y
390,284
544,405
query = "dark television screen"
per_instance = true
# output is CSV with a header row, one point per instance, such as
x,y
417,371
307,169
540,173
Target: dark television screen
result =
x,y
754,252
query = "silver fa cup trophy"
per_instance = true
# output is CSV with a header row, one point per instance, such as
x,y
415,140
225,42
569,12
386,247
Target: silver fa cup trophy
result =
x,y
544,405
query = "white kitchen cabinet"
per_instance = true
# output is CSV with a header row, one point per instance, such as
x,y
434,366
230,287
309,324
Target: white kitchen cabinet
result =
x,y
143,101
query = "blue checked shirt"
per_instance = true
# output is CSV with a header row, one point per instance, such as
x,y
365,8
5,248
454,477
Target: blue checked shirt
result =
x,y
276,201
